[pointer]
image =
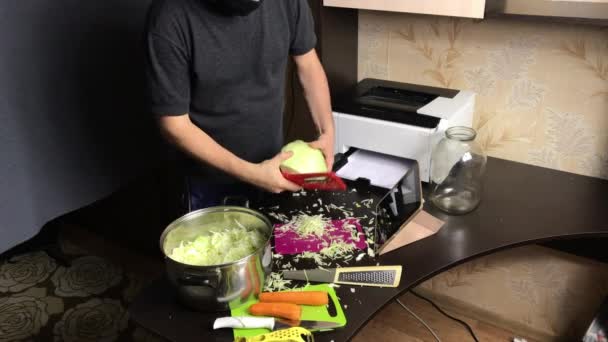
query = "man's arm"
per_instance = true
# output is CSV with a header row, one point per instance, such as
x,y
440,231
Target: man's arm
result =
x,y
180,131
316,91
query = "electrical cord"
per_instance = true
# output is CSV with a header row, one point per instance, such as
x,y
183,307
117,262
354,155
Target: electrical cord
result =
x,y
419,320
463,323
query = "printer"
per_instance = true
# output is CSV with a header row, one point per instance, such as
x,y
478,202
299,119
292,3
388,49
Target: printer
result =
x,y
399,119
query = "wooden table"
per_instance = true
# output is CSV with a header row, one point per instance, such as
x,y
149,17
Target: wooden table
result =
x,y
522,204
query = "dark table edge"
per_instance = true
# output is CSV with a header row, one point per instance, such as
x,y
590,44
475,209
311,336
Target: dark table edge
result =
x,y
356,330
469,258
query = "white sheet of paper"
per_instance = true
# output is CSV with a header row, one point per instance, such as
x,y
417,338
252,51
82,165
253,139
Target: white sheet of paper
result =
x,y
382,170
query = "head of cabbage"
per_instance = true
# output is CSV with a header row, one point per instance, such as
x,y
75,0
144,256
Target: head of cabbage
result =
x,y
305,159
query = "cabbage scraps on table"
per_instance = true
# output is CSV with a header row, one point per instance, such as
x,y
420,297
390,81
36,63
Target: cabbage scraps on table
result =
x,y
220,247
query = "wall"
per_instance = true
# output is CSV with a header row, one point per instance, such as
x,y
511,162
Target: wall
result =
x,y
542,87
545,295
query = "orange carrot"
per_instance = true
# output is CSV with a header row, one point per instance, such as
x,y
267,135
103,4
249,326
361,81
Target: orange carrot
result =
x,y
283,310
248,286
256,279
296,297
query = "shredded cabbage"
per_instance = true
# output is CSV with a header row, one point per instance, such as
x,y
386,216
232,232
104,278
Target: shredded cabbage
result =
x,y
220,247
337,249
371,252
318,259
306,225
275,282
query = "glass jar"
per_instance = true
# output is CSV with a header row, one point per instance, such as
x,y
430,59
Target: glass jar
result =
x,y
458,164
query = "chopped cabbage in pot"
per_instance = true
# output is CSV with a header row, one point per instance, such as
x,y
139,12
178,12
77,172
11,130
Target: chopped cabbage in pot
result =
x,y
219,247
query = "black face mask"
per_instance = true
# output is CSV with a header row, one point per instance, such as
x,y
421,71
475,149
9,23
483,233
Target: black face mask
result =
x,y
234,7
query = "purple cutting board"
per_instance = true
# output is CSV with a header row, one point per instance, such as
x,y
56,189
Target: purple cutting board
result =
x,y
288,242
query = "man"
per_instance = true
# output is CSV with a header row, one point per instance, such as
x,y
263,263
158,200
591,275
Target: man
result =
x,y
216,72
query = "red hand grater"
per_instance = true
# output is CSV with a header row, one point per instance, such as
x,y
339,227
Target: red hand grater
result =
x,y
328,181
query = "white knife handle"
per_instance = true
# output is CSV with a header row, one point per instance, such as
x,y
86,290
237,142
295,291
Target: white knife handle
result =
x,y
244,322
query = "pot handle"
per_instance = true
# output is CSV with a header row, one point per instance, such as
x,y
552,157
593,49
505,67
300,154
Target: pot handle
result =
x,y
236,199
232,296
210,279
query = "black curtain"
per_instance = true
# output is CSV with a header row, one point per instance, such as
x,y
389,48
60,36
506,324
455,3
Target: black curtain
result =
x,y
73,127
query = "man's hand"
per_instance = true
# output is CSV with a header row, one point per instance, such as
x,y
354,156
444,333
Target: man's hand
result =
x,y
326,144
267,175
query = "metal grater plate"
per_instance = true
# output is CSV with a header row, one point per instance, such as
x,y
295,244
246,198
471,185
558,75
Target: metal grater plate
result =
x,y
369,277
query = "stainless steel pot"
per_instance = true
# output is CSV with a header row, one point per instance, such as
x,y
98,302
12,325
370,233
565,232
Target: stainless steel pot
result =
x,y
217,287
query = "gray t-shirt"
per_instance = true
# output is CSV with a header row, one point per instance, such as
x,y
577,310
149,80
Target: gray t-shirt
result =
x,y
227,72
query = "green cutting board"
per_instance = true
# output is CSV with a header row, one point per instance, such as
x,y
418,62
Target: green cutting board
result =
x,y
312,313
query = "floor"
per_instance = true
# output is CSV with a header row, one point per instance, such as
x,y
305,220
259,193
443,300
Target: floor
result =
x,y
395,324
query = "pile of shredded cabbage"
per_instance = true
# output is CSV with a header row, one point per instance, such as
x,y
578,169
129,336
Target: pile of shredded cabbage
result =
x,y
308,225
311,225
338,249
220,247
